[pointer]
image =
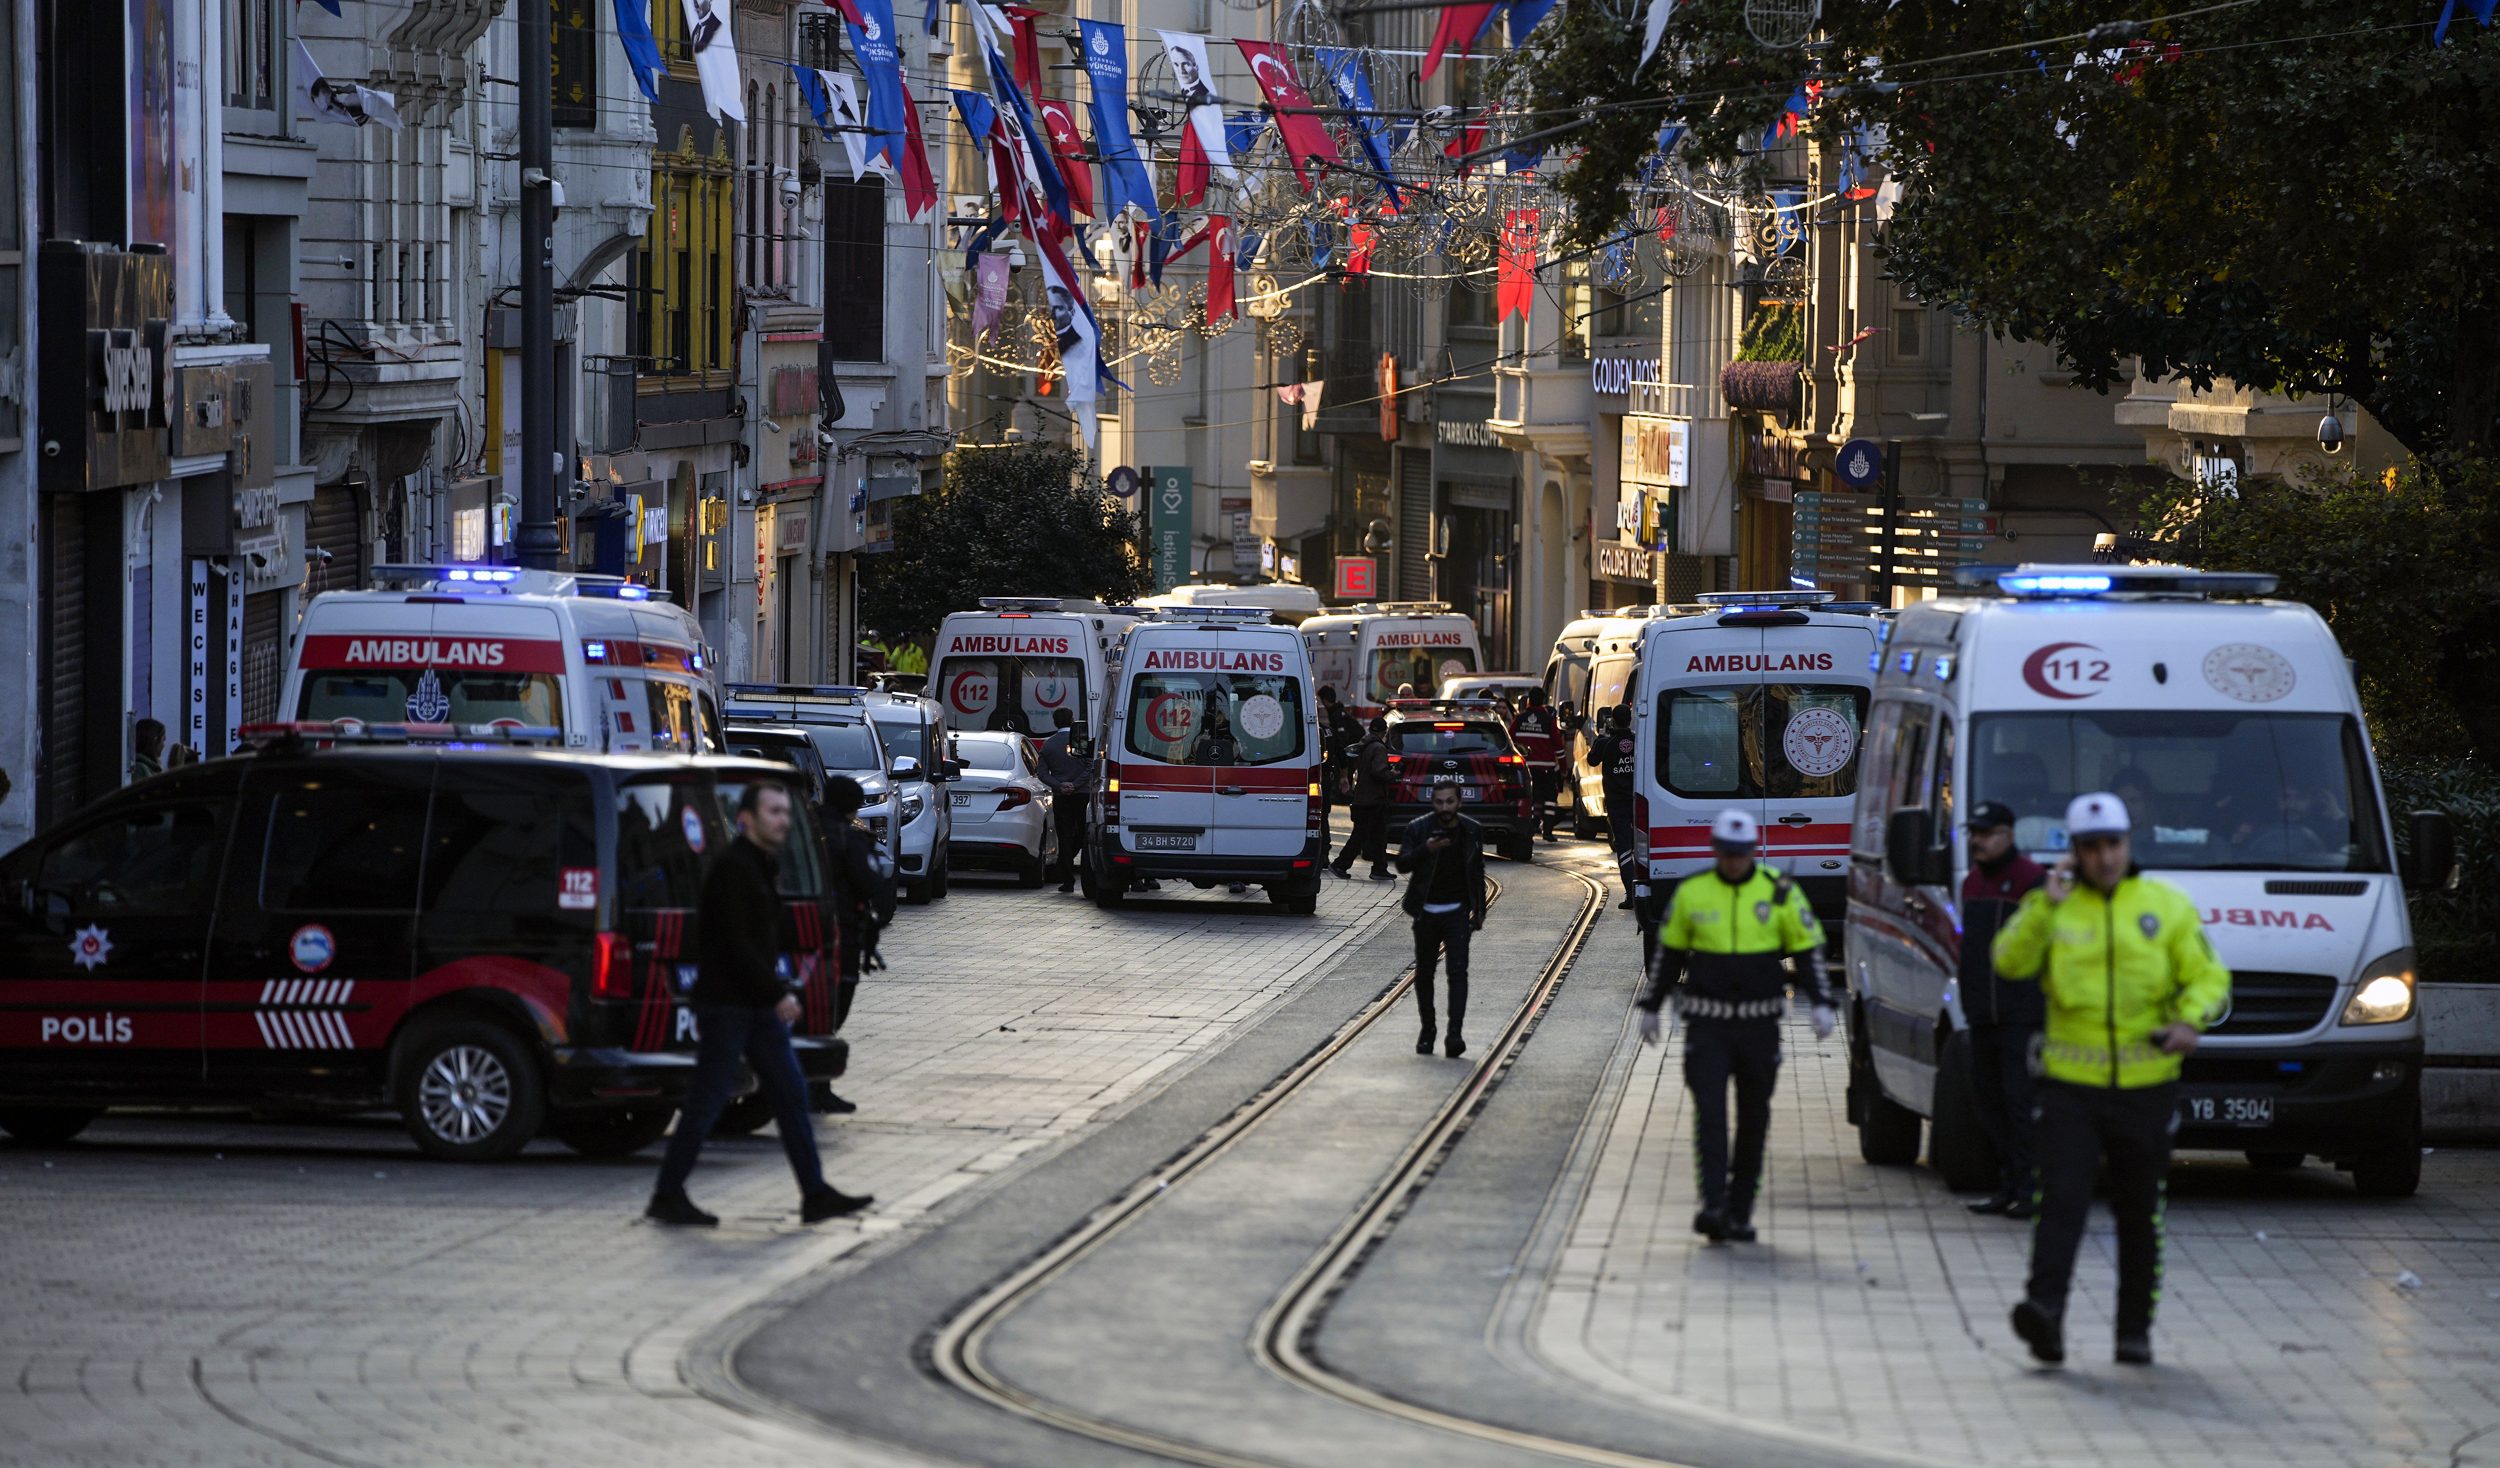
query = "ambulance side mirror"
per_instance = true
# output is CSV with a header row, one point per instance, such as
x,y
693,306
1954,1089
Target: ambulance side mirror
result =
x,y
1911,855
2433,859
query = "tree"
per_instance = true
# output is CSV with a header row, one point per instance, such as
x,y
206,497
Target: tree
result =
x,y
1004,522
2293,194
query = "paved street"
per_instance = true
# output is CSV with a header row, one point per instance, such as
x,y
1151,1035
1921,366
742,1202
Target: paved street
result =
x,y
224,1291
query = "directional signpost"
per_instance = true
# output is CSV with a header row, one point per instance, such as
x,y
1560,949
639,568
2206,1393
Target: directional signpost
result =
x,y
1167,526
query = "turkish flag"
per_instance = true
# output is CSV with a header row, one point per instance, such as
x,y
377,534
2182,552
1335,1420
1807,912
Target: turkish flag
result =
x,y
1059,120
1028,61
1358,254
1190,181
1220,246
1137,259
1470,138
919,187
1514,287
1306,137
1459,27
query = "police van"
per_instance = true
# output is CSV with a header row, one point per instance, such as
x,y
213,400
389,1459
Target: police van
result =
x,y
1368,652
1211,760
2229,726
1017,661
592,656
492,938
1755,703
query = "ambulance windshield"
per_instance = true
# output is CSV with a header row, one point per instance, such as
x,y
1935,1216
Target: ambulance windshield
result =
x,y
2222,791
1782,741
1420,669
1009,693
432,696
1188,718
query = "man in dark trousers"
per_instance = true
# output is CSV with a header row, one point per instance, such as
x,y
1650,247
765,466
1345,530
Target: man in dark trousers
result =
x,y
744,1006
1338,736
1442,854
864,897
2004,1017
1538,736
1375,785
1068,768
1719,954
1615,755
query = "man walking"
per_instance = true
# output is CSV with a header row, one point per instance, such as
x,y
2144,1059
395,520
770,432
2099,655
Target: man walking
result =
x,y
2130,983
1615,755
1068,768
2004,1017
1374,784
1533,729
1719,954
1442,854
1338,737
743,1009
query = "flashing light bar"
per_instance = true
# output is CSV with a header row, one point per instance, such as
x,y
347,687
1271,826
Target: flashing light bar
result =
x,y
1449,705
594,652
2045,582
619,590
1021,604
357,731
838,692
1207,614
1751,599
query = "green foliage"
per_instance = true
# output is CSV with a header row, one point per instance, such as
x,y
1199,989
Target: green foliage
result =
x,y
2454,932
2294,194
1005,522
1777,333
2402,569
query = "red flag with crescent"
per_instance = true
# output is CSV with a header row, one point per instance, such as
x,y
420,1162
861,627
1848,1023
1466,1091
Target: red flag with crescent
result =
x,y
1068,145
1306,136
919,185
1220,246
1459,27
1189,181
1514,287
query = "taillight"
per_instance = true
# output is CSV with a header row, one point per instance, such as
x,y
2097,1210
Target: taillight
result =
x,y
1640,827
611,966
1111,802
1514,759
1013,796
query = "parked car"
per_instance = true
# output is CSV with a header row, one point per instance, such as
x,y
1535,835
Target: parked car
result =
x,y
919,765
1002,808
784,744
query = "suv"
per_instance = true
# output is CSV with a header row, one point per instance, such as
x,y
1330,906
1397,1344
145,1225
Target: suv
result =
x,y
785,744
920,755
491,938
1464,742
836,718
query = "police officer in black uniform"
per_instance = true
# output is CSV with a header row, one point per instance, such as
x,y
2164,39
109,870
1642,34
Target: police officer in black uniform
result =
x,y
1615,755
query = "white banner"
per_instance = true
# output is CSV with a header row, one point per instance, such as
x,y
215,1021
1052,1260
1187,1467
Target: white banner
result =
x,y
715,45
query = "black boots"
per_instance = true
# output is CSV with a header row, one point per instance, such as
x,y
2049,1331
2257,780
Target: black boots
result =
x,y
678,1210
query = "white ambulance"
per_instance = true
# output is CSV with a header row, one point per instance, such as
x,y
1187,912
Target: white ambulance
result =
x,y
1369,651
1593,667
1017,661
1755,703
594,656
2229,725
1211,760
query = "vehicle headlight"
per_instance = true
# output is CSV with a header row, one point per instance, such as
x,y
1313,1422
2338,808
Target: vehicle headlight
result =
x,y
2386,992
911,809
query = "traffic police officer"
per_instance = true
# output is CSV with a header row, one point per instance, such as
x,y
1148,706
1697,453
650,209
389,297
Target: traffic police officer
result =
x,y
2130,982
1719,951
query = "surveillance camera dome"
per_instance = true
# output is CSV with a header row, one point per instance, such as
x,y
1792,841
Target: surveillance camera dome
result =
x,y
2331,434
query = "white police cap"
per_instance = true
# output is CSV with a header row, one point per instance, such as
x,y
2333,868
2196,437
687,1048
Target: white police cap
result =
x,y
2097,814
1732,827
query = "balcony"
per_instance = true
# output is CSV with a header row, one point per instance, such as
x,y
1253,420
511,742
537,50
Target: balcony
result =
x,y
1547,410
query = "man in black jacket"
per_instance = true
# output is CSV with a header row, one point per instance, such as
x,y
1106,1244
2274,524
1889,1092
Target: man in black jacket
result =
x,y
2005,1018
863,901
744,1007
1067,762
1375,785
1615,755
1443,855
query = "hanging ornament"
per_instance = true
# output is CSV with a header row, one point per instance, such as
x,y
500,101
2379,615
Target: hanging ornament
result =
x,y
1781,25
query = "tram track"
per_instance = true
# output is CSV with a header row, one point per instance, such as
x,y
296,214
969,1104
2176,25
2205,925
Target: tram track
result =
x,y
1284,1340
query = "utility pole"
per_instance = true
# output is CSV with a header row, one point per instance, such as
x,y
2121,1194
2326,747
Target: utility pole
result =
x,y
539,545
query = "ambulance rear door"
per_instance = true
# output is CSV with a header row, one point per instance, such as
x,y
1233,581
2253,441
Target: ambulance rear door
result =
x,y
992,673
1815,683
1699,696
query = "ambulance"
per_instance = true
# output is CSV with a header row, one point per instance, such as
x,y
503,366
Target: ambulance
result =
x,y
1369,651
2229,725
1594,666
1211,760
1017,661
1756,703
593,656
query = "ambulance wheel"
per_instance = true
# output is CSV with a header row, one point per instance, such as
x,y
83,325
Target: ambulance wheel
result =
x,y
46,1126
1887,1130
1108,892
1029,871
469,1090
1303,905
744,1116
610,1133
2277,1161
1582,828
1519,848
2394,1173
1957,1145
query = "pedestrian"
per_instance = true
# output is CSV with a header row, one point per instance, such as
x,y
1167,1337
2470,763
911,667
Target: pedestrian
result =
x,y
2129,983
1533,729
864,900
2004,1017
1442,853
1068,768
744,1005
1338,734
1375,785
147,741
1615,755
1719,955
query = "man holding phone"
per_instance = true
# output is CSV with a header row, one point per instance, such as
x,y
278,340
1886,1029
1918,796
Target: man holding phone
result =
x,y
1443,853
2130,983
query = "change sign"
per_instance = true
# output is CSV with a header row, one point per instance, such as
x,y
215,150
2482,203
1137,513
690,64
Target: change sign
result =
x,y
1167,526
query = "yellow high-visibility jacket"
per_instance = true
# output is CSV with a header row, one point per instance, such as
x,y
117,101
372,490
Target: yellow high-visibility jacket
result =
x,y
2114,969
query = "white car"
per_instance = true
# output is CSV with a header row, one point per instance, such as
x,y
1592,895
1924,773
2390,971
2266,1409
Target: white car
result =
x,y
916,750
1002,808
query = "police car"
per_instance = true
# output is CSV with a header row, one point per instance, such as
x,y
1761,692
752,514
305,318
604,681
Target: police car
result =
x,y
596,657
1463,742
492,938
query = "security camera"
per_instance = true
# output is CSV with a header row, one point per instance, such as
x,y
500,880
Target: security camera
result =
x,y
2331,434
786,179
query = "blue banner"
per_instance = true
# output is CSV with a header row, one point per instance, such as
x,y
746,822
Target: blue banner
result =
x,y
633,30
1124,177
1354,93
882,65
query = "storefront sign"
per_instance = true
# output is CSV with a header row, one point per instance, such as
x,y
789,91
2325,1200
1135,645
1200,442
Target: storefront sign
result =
x,y
1167,525
103,419
1613,377
1358,578
1657,451
1465,434
793,524
1623,563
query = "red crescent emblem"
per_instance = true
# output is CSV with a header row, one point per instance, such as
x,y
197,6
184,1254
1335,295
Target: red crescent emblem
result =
x,y
2036,670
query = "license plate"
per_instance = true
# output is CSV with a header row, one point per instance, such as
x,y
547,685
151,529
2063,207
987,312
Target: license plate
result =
x,y
1470,792
1167,841
959,797
2223,1110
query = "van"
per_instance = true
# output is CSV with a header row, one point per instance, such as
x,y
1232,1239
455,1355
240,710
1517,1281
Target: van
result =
x,y
1185,796
2229,724
593,656
493,939
1595,664
1288,604
1758,704
1017,661
1369,651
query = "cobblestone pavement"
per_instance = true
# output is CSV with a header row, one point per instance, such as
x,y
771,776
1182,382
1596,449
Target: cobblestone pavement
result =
x,y
2300,1324
214,1291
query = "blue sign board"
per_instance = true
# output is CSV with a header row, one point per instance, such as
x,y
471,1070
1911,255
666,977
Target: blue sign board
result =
x,y
1860,464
